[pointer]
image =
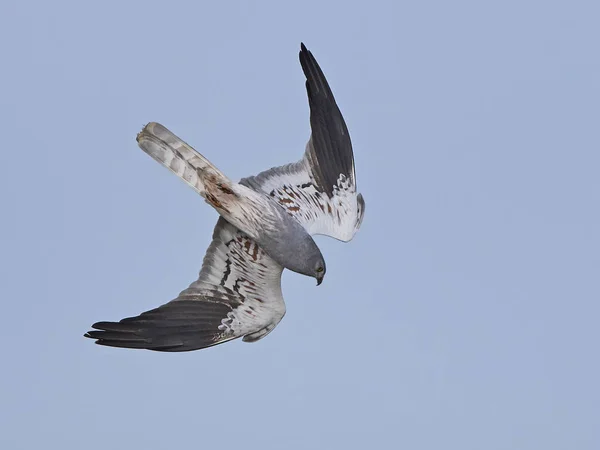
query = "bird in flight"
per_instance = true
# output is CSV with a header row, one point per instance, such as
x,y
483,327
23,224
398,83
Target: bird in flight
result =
x,y
266,224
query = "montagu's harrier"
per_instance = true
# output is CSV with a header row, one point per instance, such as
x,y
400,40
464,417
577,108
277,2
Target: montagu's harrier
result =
x,y
265,226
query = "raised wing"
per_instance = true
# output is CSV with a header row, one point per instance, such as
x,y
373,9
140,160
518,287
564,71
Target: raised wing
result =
x,y
319,190
238,293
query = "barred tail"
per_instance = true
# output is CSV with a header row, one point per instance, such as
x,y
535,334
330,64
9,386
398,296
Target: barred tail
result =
x,y
177,156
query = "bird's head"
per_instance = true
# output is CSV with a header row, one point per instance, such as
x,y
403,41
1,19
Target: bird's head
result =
x,y
319,271
314,263
305,258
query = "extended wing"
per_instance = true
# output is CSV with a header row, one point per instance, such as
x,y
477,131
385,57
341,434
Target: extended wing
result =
x,y
320,189
238,293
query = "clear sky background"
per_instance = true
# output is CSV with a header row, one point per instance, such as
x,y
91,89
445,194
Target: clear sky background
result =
x,y
464,314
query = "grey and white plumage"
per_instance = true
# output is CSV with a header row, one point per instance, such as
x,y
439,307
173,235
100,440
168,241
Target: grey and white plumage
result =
x,y
266,226
249,210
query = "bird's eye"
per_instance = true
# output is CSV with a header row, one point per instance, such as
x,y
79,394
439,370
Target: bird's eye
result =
x,y
319,269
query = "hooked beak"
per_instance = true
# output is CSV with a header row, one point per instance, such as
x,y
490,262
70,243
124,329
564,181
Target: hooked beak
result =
x,y
319,280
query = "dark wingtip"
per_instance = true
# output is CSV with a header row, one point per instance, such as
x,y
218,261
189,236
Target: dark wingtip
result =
x,y
303,47
103,325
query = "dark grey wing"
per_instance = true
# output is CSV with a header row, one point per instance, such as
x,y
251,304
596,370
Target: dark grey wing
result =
x,y
329,149
320,189
237,294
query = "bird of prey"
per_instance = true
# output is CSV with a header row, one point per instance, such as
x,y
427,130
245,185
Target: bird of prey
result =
x,y
265,226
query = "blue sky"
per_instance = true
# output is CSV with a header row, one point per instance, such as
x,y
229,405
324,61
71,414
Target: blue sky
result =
x,y
464,314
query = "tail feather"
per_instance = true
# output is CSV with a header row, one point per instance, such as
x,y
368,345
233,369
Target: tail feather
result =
x,y
179,157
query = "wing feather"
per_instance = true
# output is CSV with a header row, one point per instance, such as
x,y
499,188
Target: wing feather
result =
x,y
320,189
237,294
329,149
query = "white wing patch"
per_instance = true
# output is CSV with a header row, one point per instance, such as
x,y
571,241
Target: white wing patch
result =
x,y
295,189
236,265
